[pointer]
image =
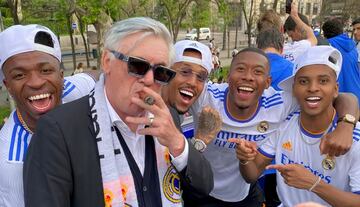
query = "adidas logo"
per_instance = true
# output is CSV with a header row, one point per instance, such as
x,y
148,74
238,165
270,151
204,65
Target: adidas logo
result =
x,y
193,44
287,145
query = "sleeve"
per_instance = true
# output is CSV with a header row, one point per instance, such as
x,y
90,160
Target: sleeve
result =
x,y
268,148
290,104
47,168
201,101
354,172
180,161
197,176
77,86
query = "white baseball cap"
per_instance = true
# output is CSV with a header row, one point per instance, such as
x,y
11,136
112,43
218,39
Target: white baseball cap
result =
x,y
323,55
206,56
20,39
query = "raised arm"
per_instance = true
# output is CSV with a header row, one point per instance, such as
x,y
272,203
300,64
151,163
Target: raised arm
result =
x,y
340,140
310,36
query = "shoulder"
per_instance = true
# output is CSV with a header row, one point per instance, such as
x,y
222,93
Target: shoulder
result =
x,y
271,96
216,89
70,112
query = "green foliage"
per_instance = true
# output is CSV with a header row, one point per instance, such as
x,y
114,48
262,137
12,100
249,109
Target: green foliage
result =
x,y
4,112
201,14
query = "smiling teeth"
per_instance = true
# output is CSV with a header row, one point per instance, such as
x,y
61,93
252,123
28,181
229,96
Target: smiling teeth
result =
x,y
313,98
40,96
246,89
188,93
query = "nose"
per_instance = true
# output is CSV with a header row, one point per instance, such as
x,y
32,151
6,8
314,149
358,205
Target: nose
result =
x,y
35,80
248,75
148,78
313,86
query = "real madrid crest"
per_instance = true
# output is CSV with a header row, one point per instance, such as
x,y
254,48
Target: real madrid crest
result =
x,y
328,163
263,126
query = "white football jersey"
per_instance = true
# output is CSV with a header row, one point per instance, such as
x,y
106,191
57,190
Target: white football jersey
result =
x,y
273,108
293,50
293,144
14,141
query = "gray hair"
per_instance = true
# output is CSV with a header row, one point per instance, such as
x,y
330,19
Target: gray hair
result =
x,y
148,26
271,37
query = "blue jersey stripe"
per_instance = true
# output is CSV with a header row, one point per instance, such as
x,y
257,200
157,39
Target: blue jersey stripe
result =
x,y
356,138
271,105
216,93
356,133
272,100
357,192
276,95
18,147
68,91
219,96
25,144
11,151
66,84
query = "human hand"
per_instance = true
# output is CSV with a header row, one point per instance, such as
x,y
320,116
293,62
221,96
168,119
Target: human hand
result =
x,y
209,125
309,204
295,175
161,126
245,150
338,142
294,9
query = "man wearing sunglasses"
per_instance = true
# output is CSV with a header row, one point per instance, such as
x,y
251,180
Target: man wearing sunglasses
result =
x,y
118,146
192,65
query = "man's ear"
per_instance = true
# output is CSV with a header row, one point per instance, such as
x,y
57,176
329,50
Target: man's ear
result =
x,y
105,61
268,81
7,85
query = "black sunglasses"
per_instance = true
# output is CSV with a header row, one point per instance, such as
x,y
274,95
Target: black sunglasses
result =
x,y
139,67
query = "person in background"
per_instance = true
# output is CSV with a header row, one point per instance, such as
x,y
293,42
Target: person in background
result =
x,y
356,31
349,78
79,69
297,27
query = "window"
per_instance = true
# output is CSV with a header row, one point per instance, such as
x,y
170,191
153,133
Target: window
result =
x,y
315,8
308,7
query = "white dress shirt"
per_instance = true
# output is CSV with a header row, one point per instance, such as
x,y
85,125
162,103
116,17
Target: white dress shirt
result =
x,y
136,142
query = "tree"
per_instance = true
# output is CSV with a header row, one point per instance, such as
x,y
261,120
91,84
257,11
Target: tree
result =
x,y
175,12
99,14
249,15
16,12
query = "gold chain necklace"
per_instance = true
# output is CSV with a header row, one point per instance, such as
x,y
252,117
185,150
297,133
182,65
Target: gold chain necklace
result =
x,y
23,122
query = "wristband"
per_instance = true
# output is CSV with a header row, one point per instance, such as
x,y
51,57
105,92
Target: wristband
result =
x,y
315,184
244,163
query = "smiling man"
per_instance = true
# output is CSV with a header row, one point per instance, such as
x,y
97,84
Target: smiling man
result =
x,y
30,59
193,65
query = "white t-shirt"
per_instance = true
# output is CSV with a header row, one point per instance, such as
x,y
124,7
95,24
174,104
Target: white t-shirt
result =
x,y
287,146
292,50
14,141
273,107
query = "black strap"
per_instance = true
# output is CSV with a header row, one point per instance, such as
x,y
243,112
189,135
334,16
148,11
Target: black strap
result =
x,y
148,187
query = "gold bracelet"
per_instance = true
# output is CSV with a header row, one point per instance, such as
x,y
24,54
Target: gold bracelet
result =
x,y
244,163
315,184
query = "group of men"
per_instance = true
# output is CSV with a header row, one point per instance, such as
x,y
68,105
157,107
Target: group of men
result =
x,y
119,142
